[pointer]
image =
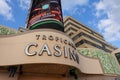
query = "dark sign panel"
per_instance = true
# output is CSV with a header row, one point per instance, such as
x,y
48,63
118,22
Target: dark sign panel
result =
x,y
45,11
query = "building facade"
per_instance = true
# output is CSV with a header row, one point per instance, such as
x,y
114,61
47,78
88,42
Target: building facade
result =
x,y
84,37
44,52
51,55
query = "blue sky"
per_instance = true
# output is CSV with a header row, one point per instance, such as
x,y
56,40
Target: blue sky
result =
x,y
100,15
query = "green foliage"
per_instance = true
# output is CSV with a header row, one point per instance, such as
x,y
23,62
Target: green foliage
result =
x,y
109,64
6,31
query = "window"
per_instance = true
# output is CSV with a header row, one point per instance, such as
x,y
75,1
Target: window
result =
x,y
79,43
118,57
92,38
92,44
71,34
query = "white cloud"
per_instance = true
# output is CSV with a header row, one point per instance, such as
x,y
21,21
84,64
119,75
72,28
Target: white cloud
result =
x,y
110,26
71,6
24,4
6,9
100,9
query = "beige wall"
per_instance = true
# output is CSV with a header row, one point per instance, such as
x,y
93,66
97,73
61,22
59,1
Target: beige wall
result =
x,y
13,49
35,76
41,77
13,52
5,76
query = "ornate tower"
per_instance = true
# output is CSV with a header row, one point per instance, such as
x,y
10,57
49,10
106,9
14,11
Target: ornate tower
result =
x,y
45,14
